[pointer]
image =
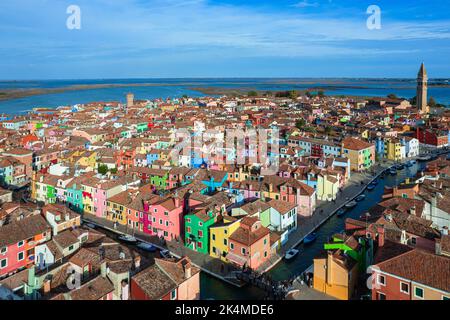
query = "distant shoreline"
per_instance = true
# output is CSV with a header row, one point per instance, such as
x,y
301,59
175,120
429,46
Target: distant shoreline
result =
x,y
330,85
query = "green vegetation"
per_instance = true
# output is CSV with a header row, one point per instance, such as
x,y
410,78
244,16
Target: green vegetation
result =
x,y
432,103
300,123
321,94
392,96
252,94
102,169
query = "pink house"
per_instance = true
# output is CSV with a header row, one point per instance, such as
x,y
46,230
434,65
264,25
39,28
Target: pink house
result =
x,y
104,191
164,217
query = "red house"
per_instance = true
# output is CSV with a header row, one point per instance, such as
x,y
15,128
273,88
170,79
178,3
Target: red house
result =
x,y
18,240
431,137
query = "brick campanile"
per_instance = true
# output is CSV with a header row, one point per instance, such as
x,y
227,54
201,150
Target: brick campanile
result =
x,y
422,90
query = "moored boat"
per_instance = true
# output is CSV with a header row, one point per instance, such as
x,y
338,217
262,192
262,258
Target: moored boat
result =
x,y
310,238
341,212
146,247
351,204
370,187
127,238
424,158
360,198
291,254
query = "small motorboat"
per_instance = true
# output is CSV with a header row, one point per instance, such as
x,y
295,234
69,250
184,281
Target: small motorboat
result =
x,y
291,254
310,238
370,187
351,204
127,238
165,254
146,247
393,171
399,166
90,225
341,212
360,198
424,158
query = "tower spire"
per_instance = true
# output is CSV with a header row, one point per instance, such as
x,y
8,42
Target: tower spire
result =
x,y
422,90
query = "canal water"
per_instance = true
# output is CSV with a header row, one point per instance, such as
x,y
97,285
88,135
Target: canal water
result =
x,y
211,288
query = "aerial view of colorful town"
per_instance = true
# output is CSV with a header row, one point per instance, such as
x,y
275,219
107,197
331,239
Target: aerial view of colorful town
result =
x,y
151,181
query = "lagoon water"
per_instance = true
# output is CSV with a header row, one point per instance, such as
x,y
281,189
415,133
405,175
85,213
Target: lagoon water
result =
x,y
172,88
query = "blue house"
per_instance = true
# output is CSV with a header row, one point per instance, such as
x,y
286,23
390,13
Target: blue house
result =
x,y
151,157
379,147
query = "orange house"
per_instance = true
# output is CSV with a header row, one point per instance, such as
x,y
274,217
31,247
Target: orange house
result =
x,y
249,245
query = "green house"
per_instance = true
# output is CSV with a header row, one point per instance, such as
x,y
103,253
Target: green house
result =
x,y
360,250
197,230
159,181
51,194
141,127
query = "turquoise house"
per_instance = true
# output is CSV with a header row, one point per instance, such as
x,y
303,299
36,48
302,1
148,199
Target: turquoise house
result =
x,y
75,197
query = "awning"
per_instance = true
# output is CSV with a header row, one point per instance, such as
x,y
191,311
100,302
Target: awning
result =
x,y
239,260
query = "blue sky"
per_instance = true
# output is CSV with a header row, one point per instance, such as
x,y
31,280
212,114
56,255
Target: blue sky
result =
x,y
223,38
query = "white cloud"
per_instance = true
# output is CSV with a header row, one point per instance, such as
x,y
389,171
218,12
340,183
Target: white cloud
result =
x,y
305,4
134,27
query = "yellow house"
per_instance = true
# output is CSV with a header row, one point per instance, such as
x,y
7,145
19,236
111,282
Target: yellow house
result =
x,y
116,208
88,159
393,149
219,234
237,175
88,198
360,153
335,274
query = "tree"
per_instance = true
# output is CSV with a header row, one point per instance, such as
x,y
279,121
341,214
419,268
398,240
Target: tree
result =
x,y
102,169
252,94
309,94
413,101
321,93
300,123
432,102
293,94
328,130
113,170
392,96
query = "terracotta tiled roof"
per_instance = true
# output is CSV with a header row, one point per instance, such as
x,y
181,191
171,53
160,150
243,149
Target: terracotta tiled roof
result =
x,y
420,266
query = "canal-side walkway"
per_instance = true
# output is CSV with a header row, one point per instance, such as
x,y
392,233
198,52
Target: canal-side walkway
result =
x,y
325,210
212,266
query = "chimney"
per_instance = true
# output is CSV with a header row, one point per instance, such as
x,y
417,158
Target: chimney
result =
x,y
381,236
412,211
187,268
177,202
137,262
47,286
437,247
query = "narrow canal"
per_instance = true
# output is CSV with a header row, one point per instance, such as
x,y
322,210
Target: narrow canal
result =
x,y
211,288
